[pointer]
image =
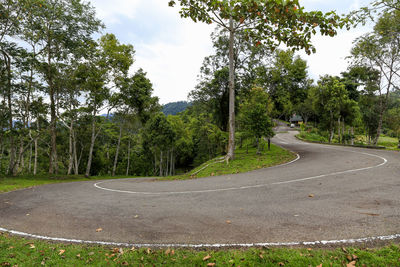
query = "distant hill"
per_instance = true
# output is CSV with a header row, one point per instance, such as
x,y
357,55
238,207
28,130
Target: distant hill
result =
x,y
174,108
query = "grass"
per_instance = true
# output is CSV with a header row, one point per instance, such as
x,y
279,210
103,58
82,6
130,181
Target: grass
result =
x,y
247,161
16,251
244,162
389,143
24,181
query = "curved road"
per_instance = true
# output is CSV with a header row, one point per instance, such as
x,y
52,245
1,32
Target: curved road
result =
x,y
329,193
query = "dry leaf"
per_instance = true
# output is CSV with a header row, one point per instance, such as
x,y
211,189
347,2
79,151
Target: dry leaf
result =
x,y
311,195
136,216
309,249
207,258
351,264
78,256
281,264
211,264
61,251
344,250
91,253
320,265
349,258
99,230
167,252
148,251
228,222
133,249
125,263
355,257
261,256
31,245
43,263
172,252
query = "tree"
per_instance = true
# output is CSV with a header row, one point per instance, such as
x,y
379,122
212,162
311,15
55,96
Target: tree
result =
x,y
287,82
64,25
330,98
160,136
268,23
380,50
254,115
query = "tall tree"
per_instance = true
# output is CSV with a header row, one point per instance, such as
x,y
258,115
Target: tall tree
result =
x,y
269,23
380,50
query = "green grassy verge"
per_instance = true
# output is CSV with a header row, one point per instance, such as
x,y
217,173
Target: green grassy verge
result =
x,y
22,252
389,143
24,181
244,162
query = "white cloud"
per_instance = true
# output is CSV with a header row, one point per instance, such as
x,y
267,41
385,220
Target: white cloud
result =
x,y
331,54
171,49
111,11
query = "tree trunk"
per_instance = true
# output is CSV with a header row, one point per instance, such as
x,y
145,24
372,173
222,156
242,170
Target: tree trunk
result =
x,y
352,136
269,144
167,164
331,129
30,159
71,149
258,146
53,166
11,164
231,142
76,164
117,152
161,161
129,158
36,148
93,139
339,131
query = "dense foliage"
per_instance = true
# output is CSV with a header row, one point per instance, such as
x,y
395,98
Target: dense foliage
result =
x,y
70,104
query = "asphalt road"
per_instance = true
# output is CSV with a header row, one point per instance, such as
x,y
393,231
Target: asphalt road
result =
x,y
329,193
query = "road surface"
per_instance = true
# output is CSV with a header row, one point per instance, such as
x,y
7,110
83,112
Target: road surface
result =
x,y
329,193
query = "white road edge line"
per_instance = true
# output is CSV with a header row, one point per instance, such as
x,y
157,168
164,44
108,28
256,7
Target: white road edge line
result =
x,y
97,185
190,192
267,244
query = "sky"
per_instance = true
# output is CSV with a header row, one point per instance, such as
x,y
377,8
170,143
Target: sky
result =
x,y
171,49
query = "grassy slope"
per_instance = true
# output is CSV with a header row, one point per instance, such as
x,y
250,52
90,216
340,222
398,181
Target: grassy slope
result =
x,y
21,252
244,162
389,142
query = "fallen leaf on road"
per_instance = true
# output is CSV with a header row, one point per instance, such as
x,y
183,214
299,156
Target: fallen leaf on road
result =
x,y
351,264
99,230
207,258
136,216
311,195
228,222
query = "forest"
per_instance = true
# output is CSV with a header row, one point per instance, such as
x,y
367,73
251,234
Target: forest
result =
x,y
70,104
